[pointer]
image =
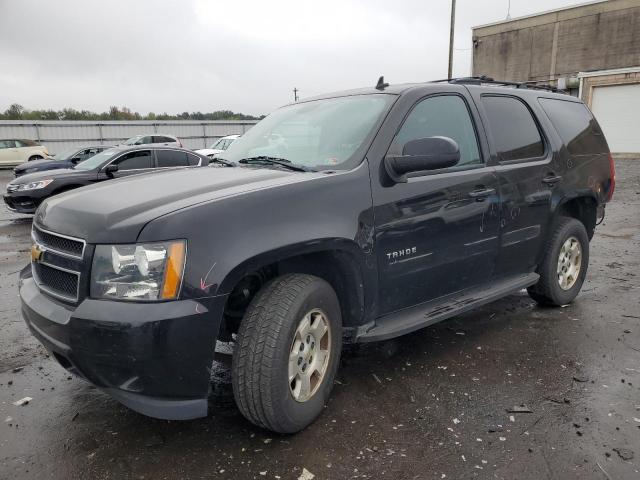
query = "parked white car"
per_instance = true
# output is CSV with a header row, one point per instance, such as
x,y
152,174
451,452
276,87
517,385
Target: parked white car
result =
x,y
17,151
220,146
156,139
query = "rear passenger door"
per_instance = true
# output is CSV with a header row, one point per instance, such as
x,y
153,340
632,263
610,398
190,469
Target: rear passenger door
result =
x,y
527,172
8,152
171,159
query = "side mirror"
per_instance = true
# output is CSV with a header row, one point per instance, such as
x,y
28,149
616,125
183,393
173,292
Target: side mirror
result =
x,y
110,170
75,160
431,153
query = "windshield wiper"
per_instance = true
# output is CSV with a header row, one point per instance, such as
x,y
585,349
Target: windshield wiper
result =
x,y
283,162
222,161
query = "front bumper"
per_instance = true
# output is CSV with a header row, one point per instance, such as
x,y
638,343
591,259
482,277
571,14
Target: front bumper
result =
x,y
155,358
21,203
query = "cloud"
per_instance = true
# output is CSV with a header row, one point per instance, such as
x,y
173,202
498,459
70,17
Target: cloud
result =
x,y
169,55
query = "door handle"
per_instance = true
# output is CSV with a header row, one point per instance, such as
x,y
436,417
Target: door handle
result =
x,y
480,195
551,179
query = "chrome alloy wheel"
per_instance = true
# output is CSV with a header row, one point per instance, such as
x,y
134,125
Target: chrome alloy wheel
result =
x,y
569,263
309,355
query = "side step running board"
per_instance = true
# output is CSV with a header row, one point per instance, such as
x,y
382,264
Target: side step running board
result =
x,y
421,316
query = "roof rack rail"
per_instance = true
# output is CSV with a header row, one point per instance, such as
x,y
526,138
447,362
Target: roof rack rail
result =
x,y
483,79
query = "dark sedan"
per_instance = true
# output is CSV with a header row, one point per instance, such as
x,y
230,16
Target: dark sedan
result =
x,y
65,159
25,193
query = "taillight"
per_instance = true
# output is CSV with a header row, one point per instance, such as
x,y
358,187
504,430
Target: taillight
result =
x,y
612,182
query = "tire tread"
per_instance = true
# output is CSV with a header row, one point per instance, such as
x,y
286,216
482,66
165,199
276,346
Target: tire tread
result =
x,y
543,291
253,364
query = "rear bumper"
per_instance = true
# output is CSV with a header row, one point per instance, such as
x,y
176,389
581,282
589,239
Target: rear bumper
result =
x,y
155,358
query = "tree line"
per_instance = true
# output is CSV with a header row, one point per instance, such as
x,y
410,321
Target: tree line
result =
x,y
18,112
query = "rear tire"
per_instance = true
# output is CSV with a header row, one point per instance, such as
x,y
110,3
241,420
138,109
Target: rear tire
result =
x,y
564,264
287,353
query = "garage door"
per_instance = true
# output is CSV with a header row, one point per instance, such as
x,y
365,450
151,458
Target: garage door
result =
x,y
617,108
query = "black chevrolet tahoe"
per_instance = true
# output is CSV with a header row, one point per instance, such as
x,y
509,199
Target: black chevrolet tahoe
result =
x,y
352,217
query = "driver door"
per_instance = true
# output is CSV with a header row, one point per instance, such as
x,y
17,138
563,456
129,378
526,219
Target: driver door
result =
x,y
132,163
437,233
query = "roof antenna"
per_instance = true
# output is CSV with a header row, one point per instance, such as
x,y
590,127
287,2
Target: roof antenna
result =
x,y
381,85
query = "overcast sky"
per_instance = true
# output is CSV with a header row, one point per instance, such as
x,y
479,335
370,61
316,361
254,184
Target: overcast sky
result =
x,y
241,55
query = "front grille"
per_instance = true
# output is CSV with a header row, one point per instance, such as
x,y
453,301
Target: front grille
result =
x,y
58,243
57,282
57,269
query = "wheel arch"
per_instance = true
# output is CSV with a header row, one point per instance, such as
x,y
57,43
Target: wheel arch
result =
x,y
340,262
583,208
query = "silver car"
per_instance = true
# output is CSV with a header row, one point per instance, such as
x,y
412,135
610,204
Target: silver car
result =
x,y
155,138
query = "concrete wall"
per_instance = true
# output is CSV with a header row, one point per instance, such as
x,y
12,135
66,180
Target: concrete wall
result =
x,y
60,135
596,36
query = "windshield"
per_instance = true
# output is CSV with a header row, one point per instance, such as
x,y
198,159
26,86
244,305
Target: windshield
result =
x,y
97,160
321,134
218,145
133,140
66,154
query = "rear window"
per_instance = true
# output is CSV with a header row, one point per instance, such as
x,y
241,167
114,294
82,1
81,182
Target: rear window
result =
x,y
171,158
514,131
575,125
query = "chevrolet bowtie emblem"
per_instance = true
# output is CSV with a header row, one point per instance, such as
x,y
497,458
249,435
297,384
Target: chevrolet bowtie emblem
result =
x,y
36,252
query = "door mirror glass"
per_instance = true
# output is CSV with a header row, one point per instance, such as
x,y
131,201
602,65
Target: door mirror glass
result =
x,y
431,153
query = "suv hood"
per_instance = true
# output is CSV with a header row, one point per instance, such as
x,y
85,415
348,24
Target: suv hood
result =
x,y
117,210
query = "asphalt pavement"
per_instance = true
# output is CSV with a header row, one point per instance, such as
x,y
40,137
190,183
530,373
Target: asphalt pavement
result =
x,y
511,390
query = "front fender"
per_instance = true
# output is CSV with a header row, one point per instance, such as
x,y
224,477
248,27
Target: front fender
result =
x,y
227,236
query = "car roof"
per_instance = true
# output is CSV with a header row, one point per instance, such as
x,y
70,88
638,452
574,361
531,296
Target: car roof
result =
x,y
402,88
149,146
80,147
153,134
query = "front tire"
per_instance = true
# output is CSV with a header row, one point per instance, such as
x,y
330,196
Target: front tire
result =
x,y
35,157
287,353
564,265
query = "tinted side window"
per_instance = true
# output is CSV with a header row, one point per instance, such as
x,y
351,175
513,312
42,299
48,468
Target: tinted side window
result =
x,y
446,116
575,125
7,144
135,160
514,131
193,160
171,158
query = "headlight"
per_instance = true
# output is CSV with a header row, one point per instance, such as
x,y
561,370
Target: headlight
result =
x,y
34,185
149,271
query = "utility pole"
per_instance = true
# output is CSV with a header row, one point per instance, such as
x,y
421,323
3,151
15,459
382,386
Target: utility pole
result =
x,y
451,31
295,94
